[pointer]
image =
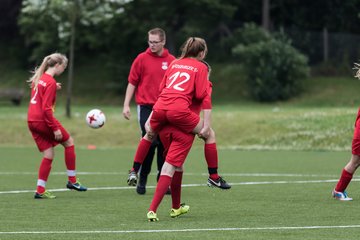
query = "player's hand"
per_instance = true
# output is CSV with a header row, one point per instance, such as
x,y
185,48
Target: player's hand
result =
x,y
149,132
204,133
126,113
58,86
150,135
58,135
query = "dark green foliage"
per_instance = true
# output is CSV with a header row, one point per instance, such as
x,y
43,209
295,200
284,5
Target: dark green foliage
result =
x,y
274,69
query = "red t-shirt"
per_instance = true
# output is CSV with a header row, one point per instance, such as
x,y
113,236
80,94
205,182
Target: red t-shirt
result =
x,y
42,102
146,74
185,79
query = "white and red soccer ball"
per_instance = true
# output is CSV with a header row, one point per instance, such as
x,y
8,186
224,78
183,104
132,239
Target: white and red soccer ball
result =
x,y
95,118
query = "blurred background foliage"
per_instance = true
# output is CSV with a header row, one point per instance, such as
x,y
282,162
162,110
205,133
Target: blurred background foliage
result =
x,y
108,34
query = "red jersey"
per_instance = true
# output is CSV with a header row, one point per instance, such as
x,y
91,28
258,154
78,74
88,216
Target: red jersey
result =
x,y
185,79
42,102
146,73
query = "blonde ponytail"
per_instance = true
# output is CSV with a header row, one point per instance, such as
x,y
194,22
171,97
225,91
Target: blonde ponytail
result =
x,y
49,61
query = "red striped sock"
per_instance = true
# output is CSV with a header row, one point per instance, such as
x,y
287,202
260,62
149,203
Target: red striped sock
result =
x,y
161,188
344,181
44,172
70,162
176,189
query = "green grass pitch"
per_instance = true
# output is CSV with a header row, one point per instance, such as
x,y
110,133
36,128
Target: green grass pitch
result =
x,y
275,195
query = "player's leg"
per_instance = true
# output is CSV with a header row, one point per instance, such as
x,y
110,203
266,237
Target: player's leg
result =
x,y
211,157
162,186
145,170
210,151
177,208
70,161
160,160
44,172
160,156
142,152
178,151
44,139
348,171
345,179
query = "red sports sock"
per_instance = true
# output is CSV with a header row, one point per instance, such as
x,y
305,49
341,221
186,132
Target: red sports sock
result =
x,y
44,172
343,181
176,189
211,157
161,188
141,152
70,162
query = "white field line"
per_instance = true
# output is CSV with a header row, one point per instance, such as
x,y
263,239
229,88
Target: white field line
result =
x,y
186,185
185,230
185,173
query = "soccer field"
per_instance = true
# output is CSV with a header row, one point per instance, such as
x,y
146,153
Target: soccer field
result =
x,y
275,195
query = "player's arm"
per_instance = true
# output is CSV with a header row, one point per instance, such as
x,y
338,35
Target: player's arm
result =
x,y
202,84
133,79
48,108
205,131
128,96
206,105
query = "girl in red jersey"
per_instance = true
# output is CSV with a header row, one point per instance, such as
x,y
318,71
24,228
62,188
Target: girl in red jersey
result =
x,y
185,80
46,130
177,145
350,168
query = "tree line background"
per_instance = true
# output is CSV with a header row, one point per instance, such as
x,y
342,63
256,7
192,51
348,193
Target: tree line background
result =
x,y
108,34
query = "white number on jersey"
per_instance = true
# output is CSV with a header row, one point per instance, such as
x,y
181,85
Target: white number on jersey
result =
x,y
33,100
183,78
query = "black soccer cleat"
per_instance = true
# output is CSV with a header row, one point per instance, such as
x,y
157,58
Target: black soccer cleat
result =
x,y
219,183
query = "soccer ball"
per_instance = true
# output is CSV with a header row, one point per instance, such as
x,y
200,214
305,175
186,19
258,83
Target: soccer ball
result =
x,y
95,118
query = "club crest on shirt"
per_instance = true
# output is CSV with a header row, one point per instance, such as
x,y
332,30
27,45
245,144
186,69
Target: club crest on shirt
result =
x,y
164,65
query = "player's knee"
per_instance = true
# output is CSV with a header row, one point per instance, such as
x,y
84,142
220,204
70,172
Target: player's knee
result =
x,y
69,142
49,153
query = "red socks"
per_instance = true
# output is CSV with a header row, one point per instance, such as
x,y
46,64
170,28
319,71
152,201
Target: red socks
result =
x,y
141,152
44,172
211,157
176,189
161,188
343,181
70,162
45,168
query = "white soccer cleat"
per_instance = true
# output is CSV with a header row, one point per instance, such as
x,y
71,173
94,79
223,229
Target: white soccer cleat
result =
x,y
342,196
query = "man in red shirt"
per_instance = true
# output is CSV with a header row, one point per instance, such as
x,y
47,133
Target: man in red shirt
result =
x,y
144,79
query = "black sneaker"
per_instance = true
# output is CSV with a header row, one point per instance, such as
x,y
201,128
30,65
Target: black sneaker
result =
x,y
76,186
219,183
141,189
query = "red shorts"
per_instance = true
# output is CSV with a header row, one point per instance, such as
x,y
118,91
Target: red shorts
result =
x,y
44,136
186,121
177,144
